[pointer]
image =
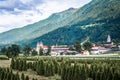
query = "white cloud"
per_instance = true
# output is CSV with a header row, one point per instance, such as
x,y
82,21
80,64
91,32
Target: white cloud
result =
x,y
18,13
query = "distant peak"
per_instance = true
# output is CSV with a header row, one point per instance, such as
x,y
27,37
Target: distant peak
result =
x,y
71,9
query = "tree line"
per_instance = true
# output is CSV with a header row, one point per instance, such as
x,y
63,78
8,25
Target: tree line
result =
x,y
14,50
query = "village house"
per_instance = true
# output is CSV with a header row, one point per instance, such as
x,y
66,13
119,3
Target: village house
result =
x,y
55,50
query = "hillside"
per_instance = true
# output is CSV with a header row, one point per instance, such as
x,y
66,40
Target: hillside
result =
x,y
68,36
96,19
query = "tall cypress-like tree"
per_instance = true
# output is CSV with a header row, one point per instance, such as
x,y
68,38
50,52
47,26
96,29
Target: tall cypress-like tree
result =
x,y
23,76
15,50
17,76
12,65
87,46
46,69
77,46
2,75
49,50
27,50
41,51
34,53
40,67
27,78
9,76
24,67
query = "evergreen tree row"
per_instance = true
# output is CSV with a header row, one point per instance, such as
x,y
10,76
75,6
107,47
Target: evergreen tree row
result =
x,y
19,64
7,74
94,72
72,69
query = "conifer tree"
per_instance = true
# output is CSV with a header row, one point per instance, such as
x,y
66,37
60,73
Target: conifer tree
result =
x,y
12,64
8,76
17,64
46,69
56,65
49,50
41,51
2,75
27,78
20,65
17,76
34,53
40,67
24,65
77,46
23,76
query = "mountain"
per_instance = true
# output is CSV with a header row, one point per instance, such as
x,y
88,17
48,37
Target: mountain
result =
x,y
37,29
94,20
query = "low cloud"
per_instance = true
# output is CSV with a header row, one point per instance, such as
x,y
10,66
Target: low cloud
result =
x,y
18,13
21,5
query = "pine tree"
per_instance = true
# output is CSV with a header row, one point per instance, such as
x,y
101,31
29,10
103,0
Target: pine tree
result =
x,y
78,46
9,76
12,64
2,75
46,69
17,76
17,64
41,67
41,51
14,77
23,76
24,67
27,78
49,50
51,69
55,63
27,49
20,65
34,53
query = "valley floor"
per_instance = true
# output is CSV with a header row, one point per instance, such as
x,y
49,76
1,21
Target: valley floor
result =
x,y
33,74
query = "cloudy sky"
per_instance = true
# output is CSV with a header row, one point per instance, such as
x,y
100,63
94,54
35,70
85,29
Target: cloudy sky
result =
x,y
18,13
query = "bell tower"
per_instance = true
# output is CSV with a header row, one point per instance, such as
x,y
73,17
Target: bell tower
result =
x,y
108,39
38,46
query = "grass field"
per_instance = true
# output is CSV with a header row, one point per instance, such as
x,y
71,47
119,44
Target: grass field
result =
x,y
3,57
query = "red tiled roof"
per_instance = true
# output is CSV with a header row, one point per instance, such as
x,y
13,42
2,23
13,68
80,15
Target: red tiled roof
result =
x,y
45,47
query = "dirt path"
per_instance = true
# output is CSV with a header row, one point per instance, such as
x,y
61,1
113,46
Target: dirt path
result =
x,y
5,63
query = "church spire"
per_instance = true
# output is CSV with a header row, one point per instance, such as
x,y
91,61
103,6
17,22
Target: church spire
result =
x,y
108,38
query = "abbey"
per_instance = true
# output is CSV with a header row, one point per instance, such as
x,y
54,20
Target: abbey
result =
x,y
105,48
109,43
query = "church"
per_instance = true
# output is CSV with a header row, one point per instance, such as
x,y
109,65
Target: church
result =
x,y
55,50
109,43
102,49
40,45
